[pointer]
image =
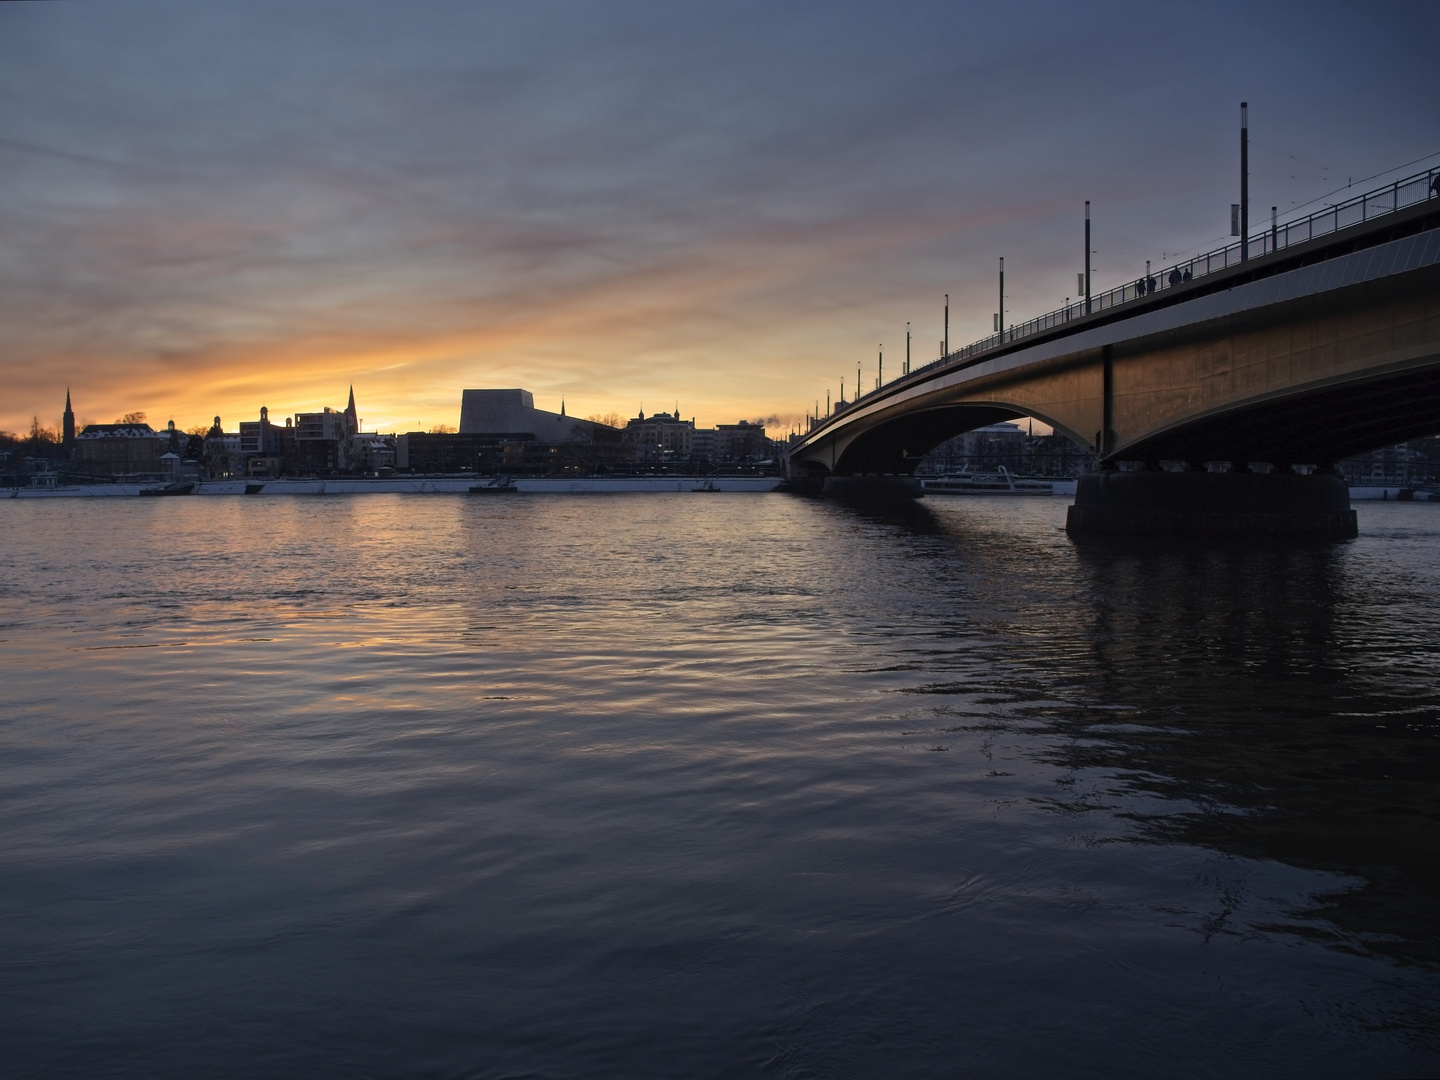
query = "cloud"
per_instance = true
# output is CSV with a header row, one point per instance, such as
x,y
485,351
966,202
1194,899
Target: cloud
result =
x,y
211,207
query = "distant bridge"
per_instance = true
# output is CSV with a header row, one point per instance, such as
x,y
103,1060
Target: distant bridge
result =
x,y
1324,342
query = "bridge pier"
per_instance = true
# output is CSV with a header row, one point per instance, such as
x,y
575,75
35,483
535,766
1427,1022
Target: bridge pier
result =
x,y
874,487
1233,503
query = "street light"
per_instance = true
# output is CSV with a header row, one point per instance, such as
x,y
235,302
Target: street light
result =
x,y
1244,182
1000,317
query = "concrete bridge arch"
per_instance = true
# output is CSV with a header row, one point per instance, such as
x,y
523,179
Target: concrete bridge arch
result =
x,y
1306,356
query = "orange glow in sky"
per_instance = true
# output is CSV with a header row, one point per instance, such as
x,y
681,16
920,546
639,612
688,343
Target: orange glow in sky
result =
x,y
210,208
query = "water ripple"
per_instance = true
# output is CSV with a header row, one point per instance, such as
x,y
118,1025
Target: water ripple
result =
x,y
661,786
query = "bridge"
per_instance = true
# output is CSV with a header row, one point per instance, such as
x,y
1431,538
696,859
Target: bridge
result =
x,y
1311,342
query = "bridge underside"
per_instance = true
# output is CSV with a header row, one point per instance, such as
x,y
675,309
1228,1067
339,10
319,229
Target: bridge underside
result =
x,y
1318,427
899,446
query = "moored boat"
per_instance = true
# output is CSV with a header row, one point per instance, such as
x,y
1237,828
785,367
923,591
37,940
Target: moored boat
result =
x,y
1000,482
179,487
501,485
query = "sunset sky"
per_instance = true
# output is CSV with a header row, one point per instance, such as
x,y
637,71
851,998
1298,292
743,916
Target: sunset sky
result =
x,y
206,208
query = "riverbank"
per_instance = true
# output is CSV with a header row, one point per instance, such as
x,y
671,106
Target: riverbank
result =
x,y
538,485
424,485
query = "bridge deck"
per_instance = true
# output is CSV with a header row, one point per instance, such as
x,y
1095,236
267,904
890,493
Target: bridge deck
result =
x,y
1331,261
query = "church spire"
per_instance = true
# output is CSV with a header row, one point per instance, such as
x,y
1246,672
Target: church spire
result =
x,y
67,424
350,412
562,406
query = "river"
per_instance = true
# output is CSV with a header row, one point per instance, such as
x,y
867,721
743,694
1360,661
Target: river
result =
x,y
740,785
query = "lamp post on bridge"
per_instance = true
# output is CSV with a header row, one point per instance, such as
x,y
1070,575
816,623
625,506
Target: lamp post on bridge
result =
x,y
1087,256
945,343
1000,316
1244,181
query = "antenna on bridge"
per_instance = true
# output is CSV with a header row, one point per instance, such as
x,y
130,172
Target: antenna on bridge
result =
x,y
1244,181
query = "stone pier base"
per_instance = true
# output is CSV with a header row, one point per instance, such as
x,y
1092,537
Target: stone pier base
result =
x,y
873,487
1263,504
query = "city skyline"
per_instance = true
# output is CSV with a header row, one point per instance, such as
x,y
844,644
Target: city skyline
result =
x,y
79,420
210,210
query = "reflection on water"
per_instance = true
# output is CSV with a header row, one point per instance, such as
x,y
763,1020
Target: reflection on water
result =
x,y
656,785
1328,757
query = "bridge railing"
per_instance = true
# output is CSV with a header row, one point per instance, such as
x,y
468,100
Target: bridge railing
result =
x,y
1386,200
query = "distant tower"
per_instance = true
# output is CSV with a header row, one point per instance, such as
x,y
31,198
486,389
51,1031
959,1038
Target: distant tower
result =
x,y
562,406
350,413
67,425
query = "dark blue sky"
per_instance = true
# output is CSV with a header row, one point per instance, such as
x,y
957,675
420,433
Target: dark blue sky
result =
x,y
209,207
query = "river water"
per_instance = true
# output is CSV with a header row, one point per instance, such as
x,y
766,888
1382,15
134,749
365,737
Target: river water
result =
x,y
682,785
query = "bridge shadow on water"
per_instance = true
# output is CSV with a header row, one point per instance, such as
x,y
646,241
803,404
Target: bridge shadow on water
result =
x,y
906,516
1260,699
